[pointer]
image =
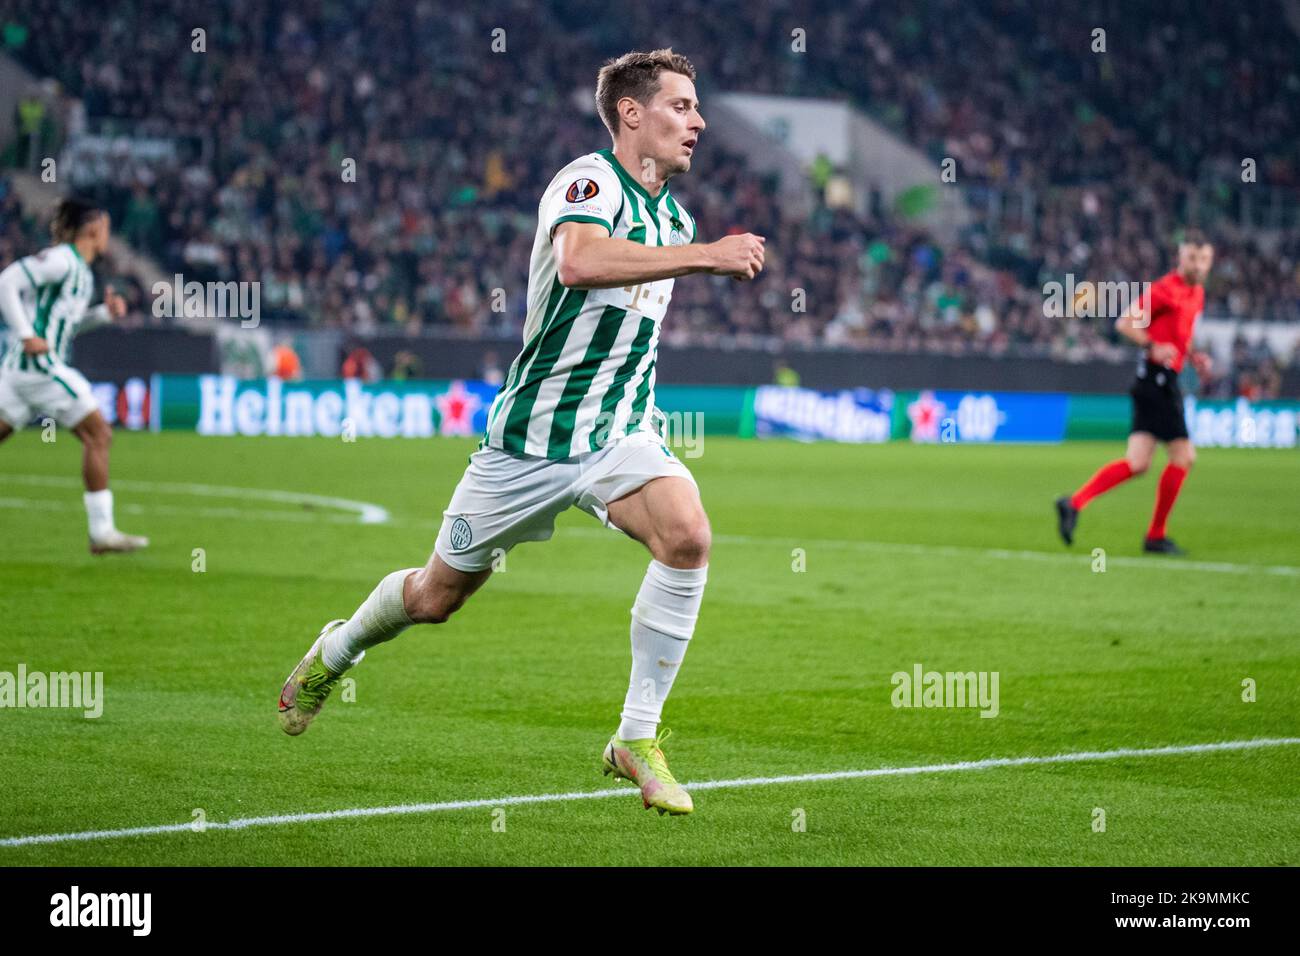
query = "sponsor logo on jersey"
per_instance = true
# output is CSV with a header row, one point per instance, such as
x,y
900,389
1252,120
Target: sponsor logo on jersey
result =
x,y
581,190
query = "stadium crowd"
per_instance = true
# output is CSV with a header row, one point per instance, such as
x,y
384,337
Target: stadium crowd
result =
x,y
373,165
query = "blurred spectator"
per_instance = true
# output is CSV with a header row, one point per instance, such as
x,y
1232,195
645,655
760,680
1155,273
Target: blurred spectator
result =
x,y
491,372
29,119
359,363
285,363
406,366
783,374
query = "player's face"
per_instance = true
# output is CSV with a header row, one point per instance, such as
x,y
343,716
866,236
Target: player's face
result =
x,y
1194,262
672,124
98,230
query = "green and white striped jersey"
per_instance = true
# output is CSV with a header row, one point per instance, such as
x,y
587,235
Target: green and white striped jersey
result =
x,y
48,296
586,374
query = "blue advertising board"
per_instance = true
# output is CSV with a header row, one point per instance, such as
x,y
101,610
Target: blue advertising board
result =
x,y
944,416
857,415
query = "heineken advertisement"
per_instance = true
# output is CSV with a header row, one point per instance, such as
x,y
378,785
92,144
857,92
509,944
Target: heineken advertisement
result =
x,y
930,416
940,417
225,405
860,415
943,416
1242,424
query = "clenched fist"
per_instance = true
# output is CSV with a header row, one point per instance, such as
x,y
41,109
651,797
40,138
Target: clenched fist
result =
x,y
740,257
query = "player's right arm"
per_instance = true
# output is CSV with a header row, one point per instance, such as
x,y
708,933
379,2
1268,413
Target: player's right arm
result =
x,y
588,257
35,271
579,212
1135,322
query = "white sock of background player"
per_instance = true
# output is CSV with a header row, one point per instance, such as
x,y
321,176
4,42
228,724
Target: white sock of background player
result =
x,y
99,513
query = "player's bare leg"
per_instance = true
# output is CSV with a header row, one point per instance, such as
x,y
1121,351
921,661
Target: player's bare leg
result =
x,y
5,430
1141,449
96,436
667,517
436,592
428,595
1182,455
1136,460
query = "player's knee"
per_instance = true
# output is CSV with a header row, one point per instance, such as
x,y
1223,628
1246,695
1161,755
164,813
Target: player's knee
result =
x,y
1183,458
434,614
1139,464
97,434
686,542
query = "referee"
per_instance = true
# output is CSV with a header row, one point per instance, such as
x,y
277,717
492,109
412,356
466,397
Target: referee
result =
x,y
1162,323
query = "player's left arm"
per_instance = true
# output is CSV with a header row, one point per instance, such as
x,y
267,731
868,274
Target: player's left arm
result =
x,y
1202,361
112,308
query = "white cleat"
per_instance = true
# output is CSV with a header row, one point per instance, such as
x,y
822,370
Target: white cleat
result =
x,y
115,541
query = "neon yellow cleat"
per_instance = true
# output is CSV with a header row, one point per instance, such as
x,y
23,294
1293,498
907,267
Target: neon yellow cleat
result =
x,y
304,693
642,762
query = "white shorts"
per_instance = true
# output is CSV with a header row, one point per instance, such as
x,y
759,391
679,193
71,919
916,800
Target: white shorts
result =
x,y
62,394
503,499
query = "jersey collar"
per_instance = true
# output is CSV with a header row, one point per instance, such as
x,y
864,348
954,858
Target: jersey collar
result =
x,y
651,201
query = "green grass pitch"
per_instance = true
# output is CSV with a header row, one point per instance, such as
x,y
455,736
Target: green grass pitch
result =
x,y
943,556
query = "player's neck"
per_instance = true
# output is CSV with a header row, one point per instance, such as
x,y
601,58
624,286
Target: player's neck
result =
x,y
634,167
85,248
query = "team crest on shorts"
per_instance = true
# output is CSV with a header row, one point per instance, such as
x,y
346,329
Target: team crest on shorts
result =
x,y
461,535
581,190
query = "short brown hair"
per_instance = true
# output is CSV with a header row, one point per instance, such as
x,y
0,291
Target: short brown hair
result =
x,y
636,75
71,216
1193,237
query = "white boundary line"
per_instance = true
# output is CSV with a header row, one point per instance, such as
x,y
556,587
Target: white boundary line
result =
x,y
229,514
366,512
242,823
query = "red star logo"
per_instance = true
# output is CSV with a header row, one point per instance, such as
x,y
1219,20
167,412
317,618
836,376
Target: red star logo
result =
x,y
926,413
456,408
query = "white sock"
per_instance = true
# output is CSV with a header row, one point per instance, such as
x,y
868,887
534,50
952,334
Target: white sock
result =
x,y
99,512
663,620
381,617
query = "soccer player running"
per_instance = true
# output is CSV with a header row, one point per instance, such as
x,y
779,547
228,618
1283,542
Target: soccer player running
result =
x,y
1162,323
45,301
575,421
